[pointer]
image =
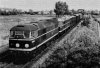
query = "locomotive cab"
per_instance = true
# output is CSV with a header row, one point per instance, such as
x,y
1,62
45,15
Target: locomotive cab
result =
x,y
22,37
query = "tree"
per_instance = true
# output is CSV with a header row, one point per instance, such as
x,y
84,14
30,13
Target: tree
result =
x,y
31,11
61,8
42,12
50,12
73,11
14,12
66,8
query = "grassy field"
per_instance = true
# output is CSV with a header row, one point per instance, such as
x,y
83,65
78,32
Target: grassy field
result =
x,y
7,22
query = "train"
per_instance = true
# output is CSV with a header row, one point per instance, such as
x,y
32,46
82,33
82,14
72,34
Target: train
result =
x,y
26,38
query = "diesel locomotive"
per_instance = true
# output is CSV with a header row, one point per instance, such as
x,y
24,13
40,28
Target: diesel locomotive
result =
x,y
25,38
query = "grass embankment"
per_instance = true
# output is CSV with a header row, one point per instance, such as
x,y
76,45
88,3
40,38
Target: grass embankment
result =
x,y
79,50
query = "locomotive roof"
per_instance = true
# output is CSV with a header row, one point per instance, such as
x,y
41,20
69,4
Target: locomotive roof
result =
x,y
35,25
46,23
24,27
49,22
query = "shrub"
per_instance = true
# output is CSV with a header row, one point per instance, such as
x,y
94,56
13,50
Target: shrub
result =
x,y
86,21
79,50
57,59
84,50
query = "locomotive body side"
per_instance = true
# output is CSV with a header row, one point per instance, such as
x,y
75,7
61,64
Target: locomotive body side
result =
x,y
37,37
69,23
66,23
29,37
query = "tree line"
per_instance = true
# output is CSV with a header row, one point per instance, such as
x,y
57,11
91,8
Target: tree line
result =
x,y
19,12
61,8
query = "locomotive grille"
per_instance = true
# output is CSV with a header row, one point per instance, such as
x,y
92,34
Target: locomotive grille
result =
x,y
12,44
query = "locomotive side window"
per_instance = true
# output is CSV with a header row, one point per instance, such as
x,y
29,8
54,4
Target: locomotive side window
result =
x,y
11,33
27,34
34,34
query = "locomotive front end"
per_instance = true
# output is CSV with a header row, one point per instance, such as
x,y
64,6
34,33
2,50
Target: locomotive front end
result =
x,y
22,39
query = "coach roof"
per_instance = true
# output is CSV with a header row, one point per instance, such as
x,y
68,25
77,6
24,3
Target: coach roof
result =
x,y
25,27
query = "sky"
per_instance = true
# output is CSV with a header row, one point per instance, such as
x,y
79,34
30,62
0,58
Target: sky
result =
x,y
39,5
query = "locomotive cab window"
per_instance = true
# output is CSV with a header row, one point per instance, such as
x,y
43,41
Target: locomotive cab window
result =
x,y
19,34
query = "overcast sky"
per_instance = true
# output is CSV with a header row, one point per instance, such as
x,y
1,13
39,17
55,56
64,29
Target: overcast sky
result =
x,y
49,4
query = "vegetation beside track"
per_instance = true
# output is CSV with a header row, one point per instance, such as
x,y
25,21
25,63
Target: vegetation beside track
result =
x,y
80,49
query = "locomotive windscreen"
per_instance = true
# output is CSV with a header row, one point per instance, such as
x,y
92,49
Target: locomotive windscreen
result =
x,y
19,32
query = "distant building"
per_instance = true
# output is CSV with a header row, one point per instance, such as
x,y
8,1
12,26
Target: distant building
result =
x,y
45,12
9,9
81,11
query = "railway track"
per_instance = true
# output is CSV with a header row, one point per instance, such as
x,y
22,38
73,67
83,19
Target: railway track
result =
x,y
46,50
9,61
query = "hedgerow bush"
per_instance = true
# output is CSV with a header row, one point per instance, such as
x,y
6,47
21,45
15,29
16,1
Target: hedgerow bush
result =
x,y
80,49
57,59
84,50
91,24
94,26
86,21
